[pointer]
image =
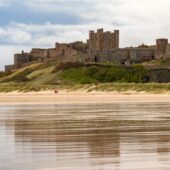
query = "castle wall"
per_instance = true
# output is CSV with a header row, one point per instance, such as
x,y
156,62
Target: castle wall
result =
x,y
10,67
117,55
65,51
61,52
52,53
36,52
140,55
168,51
122,55
21,58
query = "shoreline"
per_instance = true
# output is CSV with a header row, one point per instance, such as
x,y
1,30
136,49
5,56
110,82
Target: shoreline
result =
x,y
80,97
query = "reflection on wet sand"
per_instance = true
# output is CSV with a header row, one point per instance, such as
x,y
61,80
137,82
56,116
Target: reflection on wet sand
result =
x,y
91,137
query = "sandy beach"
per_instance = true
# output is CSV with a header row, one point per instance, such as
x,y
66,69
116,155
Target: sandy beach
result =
x,y
79,97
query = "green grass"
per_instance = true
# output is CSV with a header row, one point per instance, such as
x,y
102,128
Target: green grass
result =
x,y
100,76
105,87
128,87
165,63
104,74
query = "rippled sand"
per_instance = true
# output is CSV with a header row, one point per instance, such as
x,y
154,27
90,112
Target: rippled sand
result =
x,y
129,136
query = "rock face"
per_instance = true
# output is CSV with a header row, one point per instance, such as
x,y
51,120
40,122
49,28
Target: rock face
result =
x,y
100,47
159,75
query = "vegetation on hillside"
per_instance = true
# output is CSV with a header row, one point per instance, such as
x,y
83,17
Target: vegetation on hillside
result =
x,y
94,76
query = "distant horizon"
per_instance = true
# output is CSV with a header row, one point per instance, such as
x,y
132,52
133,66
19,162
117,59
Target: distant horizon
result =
x,y
41,23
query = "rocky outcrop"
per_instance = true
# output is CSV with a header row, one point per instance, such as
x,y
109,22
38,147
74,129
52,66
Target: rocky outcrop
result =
x,y
159,75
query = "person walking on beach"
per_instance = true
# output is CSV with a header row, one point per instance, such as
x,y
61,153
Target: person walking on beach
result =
x,y
56,91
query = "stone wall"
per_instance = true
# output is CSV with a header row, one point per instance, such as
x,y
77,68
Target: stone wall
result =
x,y
141,54
10,67
62,52
122,55
168,51
37,52
21,58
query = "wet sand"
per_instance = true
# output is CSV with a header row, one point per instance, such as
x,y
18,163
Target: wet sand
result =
x,y
79,97
85,137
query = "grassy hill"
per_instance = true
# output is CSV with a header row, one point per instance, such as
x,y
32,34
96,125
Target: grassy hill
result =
x,y
101,76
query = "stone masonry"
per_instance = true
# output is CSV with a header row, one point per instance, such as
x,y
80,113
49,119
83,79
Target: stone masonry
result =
x,y
103,41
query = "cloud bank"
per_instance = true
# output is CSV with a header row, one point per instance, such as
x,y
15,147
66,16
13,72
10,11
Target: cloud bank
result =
x,y
41,23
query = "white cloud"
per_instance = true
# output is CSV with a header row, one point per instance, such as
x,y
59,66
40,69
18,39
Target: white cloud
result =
x,y
139,21
47,34
125,11
43,35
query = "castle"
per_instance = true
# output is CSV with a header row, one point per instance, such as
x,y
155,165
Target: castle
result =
x,y
100,47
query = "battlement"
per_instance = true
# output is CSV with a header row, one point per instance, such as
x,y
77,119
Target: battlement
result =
x,y
102,41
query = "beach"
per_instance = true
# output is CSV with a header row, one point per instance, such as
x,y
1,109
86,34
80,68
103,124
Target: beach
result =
x,y
80,97
94,130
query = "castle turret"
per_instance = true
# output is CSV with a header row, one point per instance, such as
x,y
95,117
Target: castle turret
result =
x,y
100,39
57,45
116,39
161,45
91,39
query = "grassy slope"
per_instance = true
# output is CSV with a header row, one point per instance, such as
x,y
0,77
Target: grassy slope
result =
x,y
163,63
108,77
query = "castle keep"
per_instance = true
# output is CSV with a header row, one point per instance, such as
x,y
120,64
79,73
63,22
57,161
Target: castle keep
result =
x,y
100,47
103,41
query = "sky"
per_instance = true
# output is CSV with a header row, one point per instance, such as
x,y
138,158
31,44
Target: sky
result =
x,y
40,23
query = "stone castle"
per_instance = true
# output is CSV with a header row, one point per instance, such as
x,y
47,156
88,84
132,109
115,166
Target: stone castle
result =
x,y
100,47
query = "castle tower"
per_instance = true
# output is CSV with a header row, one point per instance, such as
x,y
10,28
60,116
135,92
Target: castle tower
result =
x,y
103,41
100,39
91,39
116,39
161,45
57,45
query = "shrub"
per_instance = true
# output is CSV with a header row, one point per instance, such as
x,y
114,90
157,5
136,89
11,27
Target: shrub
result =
x,y
67,65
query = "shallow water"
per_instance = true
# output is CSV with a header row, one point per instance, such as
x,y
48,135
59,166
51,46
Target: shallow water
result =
x,y
85,137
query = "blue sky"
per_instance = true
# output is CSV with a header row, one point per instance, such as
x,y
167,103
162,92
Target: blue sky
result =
x,y
40,23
